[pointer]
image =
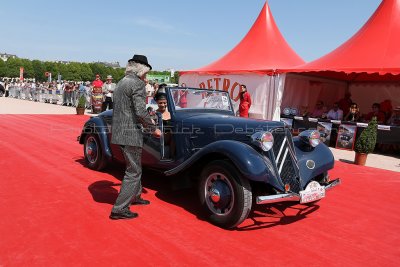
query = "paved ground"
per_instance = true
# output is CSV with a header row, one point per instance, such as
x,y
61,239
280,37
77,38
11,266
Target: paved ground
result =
x,y
17,106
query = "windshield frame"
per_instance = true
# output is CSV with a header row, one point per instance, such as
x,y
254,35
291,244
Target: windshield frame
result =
x,y
173,107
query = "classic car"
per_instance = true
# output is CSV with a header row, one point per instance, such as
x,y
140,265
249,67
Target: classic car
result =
x,y
346,138
236,162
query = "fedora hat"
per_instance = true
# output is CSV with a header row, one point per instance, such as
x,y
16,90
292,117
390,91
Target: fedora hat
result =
x,y
140,59
109,77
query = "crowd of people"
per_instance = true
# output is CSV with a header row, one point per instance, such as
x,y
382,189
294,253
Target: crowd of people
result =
x,y
65,93
347,110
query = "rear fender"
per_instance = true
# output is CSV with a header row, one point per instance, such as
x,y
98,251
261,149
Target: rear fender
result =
x,y
98,126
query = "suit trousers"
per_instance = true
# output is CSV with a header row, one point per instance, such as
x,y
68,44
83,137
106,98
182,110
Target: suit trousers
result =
x,y
107,102
131,186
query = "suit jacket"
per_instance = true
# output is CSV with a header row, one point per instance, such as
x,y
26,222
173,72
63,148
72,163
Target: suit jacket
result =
x,y
130,114
105,90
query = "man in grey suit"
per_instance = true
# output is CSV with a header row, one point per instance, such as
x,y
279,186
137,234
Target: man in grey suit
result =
x,y
129,118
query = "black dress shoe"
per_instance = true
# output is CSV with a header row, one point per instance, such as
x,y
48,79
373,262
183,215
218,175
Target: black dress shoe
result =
x,y
141,201
123,215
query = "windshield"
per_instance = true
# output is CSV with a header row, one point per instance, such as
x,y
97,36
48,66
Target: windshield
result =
x,y
189,98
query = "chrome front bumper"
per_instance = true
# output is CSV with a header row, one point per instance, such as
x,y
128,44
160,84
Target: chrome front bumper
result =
x,y
291,196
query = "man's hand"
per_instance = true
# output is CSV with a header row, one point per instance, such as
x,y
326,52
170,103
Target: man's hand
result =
x,y
157,133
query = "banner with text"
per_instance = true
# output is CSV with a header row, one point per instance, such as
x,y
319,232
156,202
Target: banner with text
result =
x,y
265,91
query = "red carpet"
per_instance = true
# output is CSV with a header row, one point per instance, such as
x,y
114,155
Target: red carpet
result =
x,y
54,211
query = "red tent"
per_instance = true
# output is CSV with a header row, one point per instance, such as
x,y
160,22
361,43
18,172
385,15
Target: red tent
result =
x,y
262,50
372,54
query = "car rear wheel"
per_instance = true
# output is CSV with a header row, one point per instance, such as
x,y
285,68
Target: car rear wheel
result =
x,y
225,195
93,153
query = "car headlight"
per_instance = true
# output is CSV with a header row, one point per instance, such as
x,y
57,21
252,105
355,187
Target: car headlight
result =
x,y
264,140
310,137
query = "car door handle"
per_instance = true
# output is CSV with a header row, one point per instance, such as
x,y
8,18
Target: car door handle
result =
x,y
193,136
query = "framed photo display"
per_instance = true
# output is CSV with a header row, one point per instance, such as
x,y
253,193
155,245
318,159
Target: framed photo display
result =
x,y
346,136
325,129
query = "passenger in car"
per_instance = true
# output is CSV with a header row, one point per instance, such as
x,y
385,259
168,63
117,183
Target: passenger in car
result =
x,y
161,100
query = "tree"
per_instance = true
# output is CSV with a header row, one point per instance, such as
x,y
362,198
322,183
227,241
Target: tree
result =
x,y
86,72
3,69
52,68
367,140
12,67
39,70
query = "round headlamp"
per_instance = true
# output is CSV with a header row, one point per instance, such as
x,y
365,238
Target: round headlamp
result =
x,y
310,137
314,138
264,140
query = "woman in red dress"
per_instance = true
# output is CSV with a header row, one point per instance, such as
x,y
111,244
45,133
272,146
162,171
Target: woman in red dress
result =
x,y
245,102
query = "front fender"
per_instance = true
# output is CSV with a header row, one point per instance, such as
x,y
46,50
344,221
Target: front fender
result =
x,y
252,164
98,126
322,157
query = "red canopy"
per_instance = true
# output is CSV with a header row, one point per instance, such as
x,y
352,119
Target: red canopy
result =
x,y
262,50
372,54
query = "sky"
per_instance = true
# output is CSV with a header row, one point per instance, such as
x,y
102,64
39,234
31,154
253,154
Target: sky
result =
x,y
173,34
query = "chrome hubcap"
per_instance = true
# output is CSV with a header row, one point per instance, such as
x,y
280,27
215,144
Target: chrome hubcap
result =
x,y
215,195
91,149
219,194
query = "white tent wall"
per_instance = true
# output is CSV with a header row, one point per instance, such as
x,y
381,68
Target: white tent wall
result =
x,y
367,93
303,91
265,90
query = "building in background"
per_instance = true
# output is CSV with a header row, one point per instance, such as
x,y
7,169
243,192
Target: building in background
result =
x,y
6,56
159,78
110,64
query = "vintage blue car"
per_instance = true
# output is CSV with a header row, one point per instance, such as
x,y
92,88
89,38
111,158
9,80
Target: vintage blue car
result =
x,y
234,161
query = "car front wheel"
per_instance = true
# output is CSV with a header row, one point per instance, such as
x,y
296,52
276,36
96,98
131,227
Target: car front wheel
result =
x,y
93,153
225,195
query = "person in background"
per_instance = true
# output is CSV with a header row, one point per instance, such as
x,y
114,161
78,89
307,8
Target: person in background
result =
x,y
2,89
88,90
182,102
318,110
108,90
303,111
7,88
376,112
354,113
129,119
149,88
394,120
245,102
345,102
67,94
155,86
387,108
97,83
335,113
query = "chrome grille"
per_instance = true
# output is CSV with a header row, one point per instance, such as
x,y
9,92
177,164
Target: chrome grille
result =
x,y
285,159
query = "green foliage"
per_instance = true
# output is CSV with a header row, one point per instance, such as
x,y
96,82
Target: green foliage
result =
x,y
73,71
12,67
367,140
3,69
81,102
39,70
175,79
